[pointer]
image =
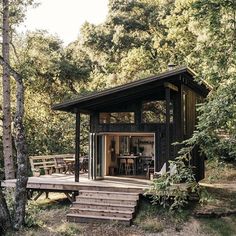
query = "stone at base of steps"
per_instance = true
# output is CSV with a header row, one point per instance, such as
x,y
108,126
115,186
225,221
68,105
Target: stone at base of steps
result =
x,y
78,218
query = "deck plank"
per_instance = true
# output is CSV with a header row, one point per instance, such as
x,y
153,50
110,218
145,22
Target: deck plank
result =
x,y
62,182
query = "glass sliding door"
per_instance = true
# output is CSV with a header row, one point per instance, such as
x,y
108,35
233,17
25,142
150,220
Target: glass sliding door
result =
x,y
96,156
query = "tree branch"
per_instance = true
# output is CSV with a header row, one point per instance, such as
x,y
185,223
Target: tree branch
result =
x,y
14,73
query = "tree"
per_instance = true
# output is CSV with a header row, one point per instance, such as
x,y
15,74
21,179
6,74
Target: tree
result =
x,y
218,20
22,162
208,29
7,136
129,41
51,74
22,173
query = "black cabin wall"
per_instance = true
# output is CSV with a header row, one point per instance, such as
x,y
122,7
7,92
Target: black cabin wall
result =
x,y
177,133
191,121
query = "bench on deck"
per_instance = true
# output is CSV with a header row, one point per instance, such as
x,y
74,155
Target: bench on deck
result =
x,y
46,163
50,163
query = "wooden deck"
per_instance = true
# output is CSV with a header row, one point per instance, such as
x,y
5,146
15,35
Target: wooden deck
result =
x,y
66,183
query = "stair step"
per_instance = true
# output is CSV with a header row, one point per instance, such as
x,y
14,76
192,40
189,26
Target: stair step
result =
x,y
137,190
94,191
107,200
110,195
91,218
102,205
102,212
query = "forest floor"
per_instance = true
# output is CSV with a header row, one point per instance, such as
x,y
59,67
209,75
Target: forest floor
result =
x,y
48,216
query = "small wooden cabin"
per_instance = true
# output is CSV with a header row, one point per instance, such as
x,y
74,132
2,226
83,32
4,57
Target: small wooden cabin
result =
x,y
139,121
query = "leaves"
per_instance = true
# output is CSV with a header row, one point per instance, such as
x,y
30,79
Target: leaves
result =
x,y
173,189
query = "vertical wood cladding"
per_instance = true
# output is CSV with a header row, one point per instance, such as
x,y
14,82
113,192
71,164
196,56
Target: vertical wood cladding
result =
x,y
176,132
191,120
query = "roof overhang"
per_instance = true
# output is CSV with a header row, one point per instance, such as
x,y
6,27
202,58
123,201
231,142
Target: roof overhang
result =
x,y
132,90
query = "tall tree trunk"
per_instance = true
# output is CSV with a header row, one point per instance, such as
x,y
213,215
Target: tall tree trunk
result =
x,y
5,220
21,150
7,138
22,161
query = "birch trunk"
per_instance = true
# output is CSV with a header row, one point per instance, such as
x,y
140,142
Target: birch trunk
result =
x,y
21,150
22,161
7,137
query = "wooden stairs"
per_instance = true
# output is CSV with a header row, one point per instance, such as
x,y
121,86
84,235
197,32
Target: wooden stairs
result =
x,y
104,206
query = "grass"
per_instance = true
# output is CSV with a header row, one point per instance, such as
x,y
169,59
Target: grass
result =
x,y
152,226
147,218
155,219
220,172
225,226
68,229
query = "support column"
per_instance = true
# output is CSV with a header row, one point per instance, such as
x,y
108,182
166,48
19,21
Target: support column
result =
x,y
77,146
167,96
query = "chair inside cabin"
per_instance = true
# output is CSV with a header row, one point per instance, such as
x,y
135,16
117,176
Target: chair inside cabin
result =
x,y
130,166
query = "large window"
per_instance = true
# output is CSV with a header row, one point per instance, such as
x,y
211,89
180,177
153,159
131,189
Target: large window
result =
x,y
155,112
116,117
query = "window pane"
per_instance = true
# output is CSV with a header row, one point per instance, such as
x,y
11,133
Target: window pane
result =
x,y
116,117
155,112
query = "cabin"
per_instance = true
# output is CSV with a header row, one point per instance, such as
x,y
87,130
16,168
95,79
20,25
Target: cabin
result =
x,y
132,129
133,126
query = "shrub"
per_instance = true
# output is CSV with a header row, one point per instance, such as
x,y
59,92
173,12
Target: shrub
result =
x,y
174,189
32,218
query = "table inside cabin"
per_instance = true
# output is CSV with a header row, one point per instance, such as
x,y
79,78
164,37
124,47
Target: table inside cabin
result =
x,y
139,161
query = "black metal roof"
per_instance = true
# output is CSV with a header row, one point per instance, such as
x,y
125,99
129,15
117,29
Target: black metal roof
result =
x,y
83,102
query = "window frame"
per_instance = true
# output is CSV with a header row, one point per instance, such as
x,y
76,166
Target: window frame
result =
x,y
163,100
117,123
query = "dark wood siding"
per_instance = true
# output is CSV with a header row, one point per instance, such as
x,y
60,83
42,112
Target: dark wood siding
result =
x,y
191,120
176,131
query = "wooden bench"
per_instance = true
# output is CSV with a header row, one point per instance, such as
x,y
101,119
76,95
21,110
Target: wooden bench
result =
x,y
49,163
46,163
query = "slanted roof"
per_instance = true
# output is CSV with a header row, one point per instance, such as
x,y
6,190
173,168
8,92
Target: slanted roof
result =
x,y
89,102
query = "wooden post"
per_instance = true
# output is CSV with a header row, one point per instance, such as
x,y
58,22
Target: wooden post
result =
x,y
77,146
167,95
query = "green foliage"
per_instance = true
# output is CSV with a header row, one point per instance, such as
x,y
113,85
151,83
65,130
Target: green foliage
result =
x,y
204,196
51,74
32,210
173,189
32,213
9,196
